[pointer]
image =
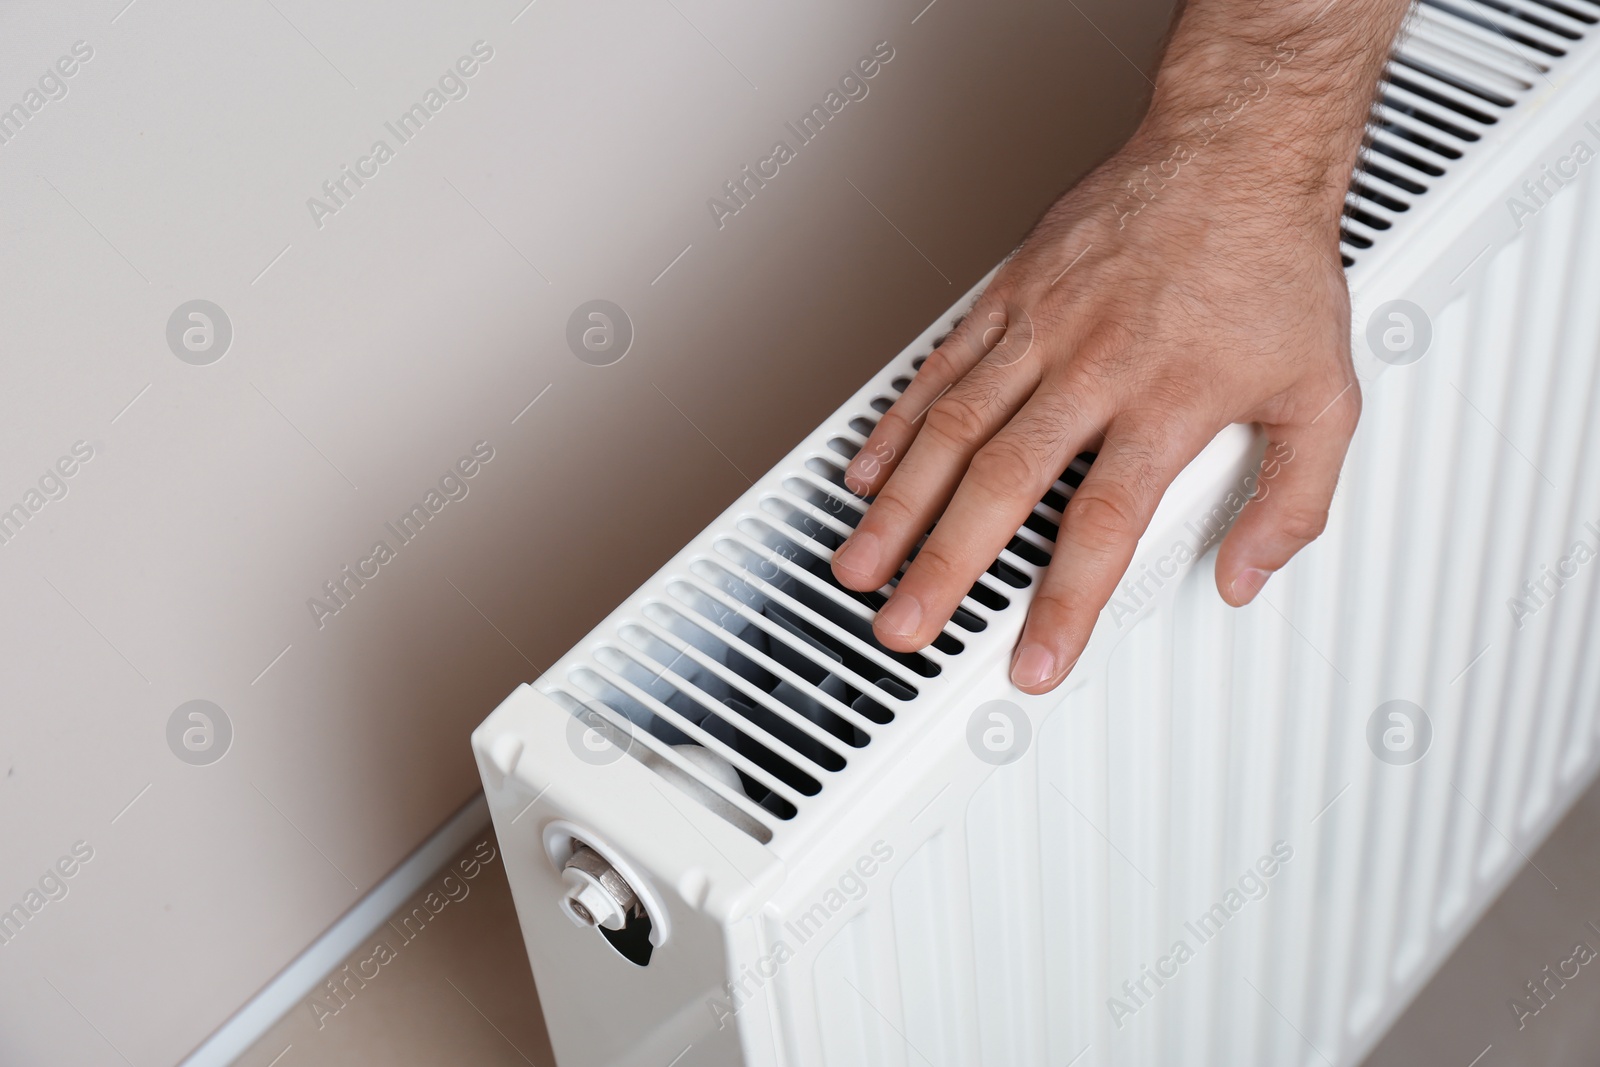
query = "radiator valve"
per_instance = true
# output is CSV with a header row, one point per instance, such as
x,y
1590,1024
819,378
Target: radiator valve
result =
x,y
596,894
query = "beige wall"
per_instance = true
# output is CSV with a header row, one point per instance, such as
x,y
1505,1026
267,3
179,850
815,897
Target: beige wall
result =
x,y
370,353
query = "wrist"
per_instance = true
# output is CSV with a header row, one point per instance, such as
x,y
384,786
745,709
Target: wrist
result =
x,y
1273,102
1233,155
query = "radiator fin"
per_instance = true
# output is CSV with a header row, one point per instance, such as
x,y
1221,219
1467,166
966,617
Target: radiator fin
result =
x,y
1459,68
1217,737
930,899
758,657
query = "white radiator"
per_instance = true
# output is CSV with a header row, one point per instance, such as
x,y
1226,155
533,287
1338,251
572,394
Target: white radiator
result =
x,y
1217,842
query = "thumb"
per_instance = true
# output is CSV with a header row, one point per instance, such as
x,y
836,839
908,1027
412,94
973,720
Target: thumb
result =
x,y
1289,508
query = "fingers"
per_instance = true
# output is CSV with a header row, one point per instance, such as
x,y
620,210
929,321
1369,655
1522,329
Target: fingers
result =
x,y
955,427
1289,507
945,365
1003,483
1103,523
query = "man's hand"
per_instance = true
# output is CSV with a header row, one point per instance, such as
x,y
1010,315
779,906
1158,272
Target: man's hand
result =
x,y
1190,282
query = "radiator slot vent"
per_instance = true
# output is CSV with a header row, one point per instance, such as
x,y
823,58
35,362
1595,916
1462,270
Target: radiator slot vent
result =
x,y
1385,147
669,762
773,635
1571,10
986,592
771,782
814,618
750,701
1395,179
779,683
844,448
1431,89
749,682
1002,569
1461,65
820,567
1483,92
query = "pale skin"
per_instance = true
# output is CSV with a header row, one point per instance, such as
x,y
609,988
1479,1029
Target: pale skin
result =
x,y
1190,282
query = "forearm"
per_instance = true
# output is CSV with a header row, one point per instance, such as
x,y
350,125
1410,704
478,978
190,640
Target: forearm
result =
x,y
1282,87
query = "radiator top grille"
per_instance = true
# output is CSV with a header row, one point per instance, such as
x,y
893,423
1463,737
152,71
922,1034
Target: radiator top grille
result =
x,y
748,679
757,658
1461,66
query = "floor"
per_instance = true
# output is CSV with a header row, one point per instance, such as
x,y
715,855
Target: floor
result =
x,y
453,987
446,981
1464,1016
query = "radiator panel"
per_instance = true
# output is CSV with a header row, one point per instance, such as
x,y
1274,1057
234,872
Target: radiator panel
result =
x,y
1218,733
1200,858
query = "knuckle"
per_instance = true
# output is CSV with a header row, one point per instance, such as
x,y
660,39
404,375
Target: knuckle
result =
x,y
1103,516
943,364
888,511
1344,412
1169,397
1052,429
1054,609
958,349
1079,377
884,447
1065,614
1303,522
1008,467
877,453
1350,415
1110,352
957,418
892,425
933,562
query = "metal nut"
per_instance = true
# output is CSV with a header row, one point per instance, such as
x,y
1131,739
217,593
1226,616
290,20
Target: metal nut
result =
x,y
596,894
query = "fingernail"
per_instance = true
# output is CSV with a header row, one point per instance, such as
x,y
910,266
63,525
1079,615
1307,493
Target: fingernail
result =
x,y
1033,665
1249,582
859,554
900,616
